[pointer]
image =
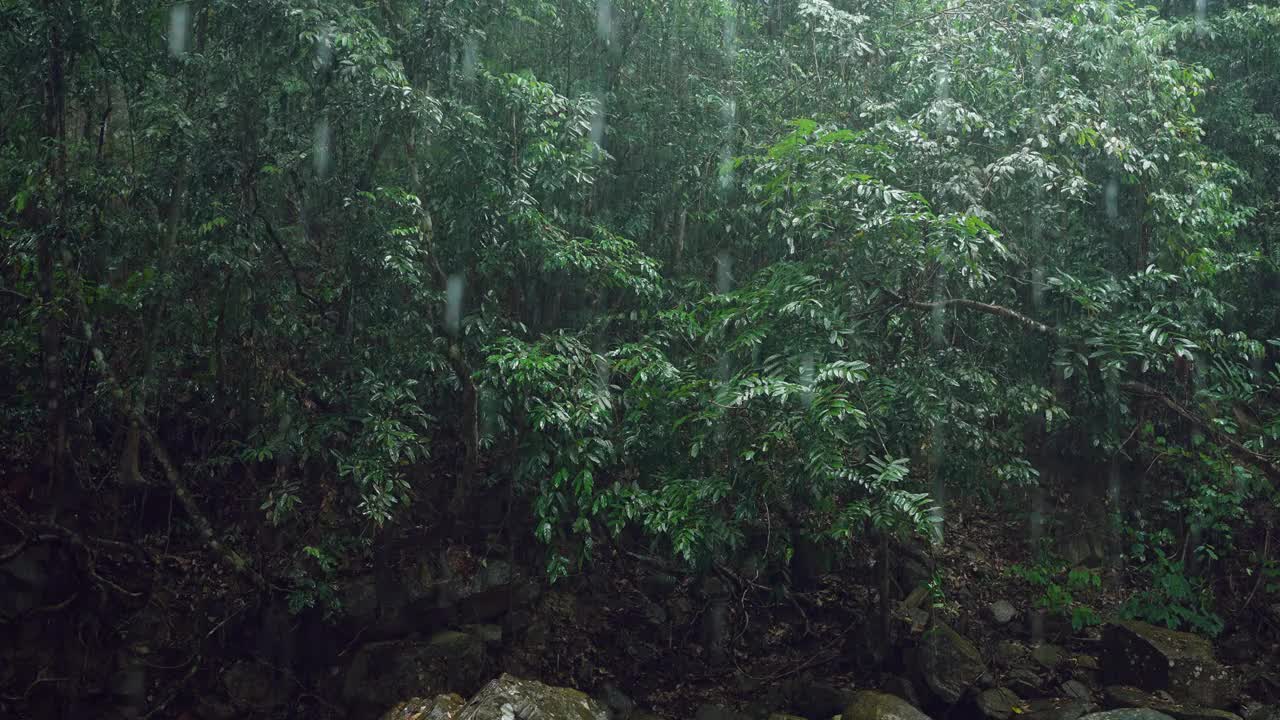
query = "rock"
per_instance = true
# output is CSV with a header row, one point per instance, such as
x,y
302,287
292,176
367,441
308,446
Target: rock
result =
x,y
905,623
873,705
1239,647
999,703
654,614
822,700
212,709
1131,697
1009,653
811,560
1057,709
916,597
781,716
658,584
384,673
358,599
487,594
1002,612
1025,682
509,697
1087,663
903,688
1087,547
818,699
1154,658
250,686
949,663
1127,714
715,630
441,707
718,712
490,635
1047,656
912,572
620,705
1075,690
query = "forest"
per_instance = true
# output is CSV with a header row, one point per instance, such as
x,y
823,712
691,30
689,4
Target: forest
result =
x,y
640,359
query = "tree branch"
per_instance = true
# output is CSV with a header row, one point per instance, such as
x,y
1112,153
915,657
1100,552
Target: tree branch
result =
x,y
1264,463
1242,453
997,310
180,488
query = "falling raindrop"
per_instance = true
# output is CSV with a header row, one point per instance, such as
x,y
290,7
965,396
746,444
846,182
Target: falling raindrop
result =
x,y
179,27
602,375
324,49
806,378
599,122
726,168
724,272
453,303
321,145
938,511
604,20
1202,8
1037,287
1113,198
730,33
729,120
470,58
937,322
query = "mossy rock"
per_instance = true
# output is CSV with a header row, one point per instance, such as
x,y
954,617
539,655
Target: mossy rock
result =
x,y
874,705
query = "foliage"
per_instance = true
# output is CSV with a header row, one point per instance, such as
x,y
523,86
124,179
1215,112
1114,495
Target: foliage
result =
x,y
1168,595
1064,591
714,272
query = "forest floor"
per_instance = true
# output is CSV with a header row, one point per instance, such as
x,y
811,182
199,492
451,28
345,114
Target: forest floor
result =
x,y
157,629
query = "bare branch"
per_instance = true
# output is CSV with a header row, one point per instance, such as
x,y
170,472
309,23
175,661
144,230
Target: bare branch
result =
x,y
997,310
1242,453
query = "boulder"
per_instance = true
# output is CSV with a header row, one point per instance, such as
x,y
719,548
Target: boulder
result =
x,y
484,596
1000,703
384,673
1009,653
490,635
1025,682
1057,709
1047,656
1127,714
719,712
912,572
1002,612
873,705
441,707
949,663
620,705
1087,547
1131,697
1075,690
903,688
1154,658
250,686
510,697
814,699
1085,663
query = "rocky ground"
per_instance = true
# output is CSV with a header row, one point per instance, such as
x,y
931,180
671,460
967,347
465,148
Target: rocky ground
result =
x,y
642,640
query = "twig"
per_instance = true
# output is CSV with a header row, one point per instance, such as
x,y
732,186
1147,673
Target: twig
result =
x,y
15,294
177,689
1266,545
